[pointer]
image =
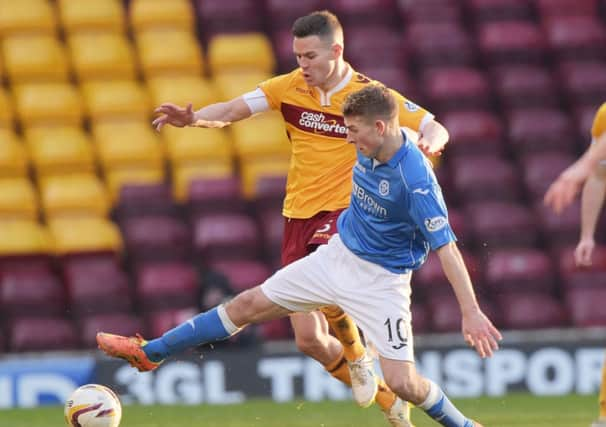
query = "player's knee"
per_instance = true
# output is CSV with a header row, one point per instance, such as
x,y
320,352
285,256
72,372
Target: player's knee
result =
x,y
308,342
406,387
244,307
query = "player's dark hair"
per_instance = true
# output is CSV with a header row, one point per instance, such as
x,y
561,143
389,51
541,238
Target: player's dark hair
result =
x,y
323,24
372,101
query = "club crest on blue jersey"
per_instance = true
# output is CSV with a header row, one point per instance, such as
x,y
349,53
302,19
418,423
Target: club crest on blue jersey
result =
x,y
384,187
436,223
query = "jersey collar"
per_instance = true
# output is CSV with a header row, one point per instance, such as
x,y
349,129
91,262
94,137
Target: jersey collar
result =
x,y
395,159
325,96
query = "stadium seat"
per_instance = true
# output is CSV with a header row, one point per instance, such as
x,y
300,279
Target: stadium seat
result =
x,y
485,177
34,58
242,274
474,132
270,190
84,235
283,13
24,238
261,136
365,12
275,330
35,292
541,169
6,110
511,42
531,310
540,130
433,11
100,15
456,88
583,117
235,52
184,90
525,86
582,307
225,236
445,313
557,8
584,83
27,17
119,178
574,277
431,280
96,286
41,104
234,16
13,156
136,200
252,172
73,195
27,334
393,77
98,56
282,44
215,195
501,225
169,53
127,145
369,45
156,14
576,37
119,323
499,10
438,44
60,150
18,199
272,228
231,84
183,175
156,238
558,230
167,285
161,321
420,317
519,270
116,99
192,146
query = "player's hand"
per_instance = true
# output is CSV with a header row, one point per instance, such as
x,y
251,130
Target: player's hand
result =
x,y
480,333
210,124
562,191
425,146
583,252
173,115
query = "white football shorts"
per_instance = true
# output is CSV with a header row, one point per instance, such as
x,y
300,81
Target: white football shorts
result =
x,y
377,299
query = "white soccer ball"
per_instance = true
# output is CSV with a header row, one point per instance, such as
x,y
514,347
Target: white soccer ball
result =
x,y
93,405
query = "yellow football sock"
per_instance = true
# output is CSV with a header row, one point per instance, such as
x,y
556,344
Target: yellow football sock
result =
x,y
603,394
385,397
346,332
338,369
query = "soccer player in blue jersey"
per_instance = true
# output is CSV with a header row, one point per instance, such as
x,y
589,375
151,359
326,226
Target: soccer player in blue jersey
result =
x,y
397,214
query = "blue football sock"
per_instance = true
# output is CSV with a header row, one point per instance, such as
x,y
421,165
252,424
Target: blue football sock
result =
x,y
441,409
204,328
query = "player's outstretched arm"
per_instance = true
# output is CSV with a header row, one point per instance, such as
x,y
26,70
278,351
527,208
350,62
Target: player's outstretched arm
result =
x,y
433,138
216,115
478,330
592,199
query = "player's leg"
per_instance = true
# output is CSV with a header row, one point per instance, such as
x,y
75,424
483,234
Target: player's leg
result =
x,y
219,323
601,422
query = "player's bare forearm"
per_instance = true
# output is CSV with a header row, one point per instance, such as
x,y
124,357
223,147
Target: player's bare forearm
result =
x,y
458,276
434,137
226,112
596,152
592,200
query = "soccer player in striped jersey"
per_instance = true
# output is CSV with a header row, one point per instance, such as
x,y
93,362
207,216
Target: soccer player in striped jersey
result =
x,y
396,216
319,179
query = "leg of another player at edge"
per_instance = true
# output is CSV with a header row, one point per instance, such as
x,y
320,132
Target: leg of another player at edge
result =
x,y
348,335
403,379
219,323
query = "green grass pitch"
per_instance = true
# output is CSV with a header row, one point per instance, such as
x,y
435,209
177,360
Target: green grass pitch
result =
x,y
518,410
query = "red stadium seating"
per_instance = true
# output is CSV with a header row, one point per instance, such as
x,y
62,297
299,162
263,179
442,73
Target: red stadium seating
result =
x,y
574,277
501,225
446,313
473,132
242,274
364,12
372,45
42,333
119,323
516,270
161,321
558,230
278,329
484,178
585,308
33,292
525,86
156,238
282,42
531,310
532,130
576,37
167,285
541,169
431,280
421,322
281,14
457,88
272,230
584,83
145,199
215,195
438,44
499,10
430,11
234,16
393,77
551,8
511,42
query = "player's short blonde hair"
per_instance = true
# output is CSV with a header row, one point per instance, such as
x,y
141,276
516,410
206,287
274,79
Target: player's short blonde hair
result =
x,y
372,101
322,23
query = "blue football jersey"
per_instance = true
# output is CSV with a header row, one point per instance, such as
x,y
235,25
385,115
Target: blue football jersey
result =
x,y
397,212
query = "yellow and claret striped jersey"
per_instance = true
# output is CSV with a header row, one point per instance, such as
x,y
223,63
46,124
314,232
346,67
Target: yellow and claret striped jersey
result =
x,y
599,122
320,171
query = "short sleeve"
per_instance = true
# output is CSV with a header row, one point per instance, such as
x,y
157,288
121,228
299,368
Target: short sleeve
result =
x,y
599,122
428,210
274,89
412,115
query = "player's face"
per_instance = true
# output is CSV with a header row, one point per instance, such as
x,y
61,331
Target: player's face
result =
x,y
316,57
365,134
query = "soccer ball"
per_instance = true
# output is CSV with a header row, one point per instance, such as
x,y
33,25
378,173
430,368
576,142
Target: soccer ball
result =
x,y
93,405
